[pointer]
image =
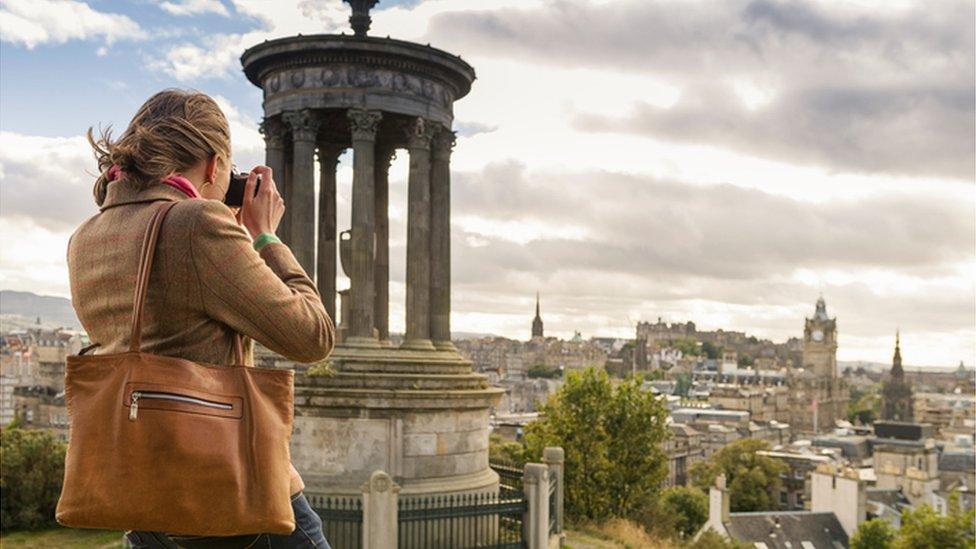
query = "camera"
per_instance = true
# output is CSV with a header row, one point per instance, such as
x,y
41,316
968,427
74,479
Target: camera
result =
x,y
235,190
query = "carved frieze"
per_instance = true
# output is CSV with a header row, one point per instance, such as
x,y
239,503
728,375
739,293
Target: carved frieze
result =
x,y
344,77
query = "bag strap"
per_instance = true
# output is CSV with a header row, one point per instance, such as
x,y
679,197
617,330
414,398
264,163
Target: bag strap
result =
x,y
142,282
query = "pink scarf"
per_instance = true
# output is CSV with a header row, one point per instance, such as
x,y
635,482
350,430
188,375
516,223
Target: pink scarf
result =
x,y
175,181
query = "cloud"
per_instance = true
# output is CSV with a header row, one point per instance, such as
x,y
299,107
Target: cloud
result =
x,y
919,130
194,7
639,224
34,22
844,87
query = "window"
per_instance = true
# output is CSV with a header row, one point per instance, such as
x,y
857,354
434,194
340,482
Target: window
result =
x,y
783,497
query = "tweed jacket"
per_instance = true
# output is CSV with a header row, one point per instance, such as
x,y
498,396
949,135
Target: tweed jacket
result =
x,y
207,282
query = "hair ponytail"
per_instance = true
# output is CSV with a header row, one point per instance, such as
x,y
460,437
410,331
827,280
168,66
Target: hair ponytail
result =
x,y
172,131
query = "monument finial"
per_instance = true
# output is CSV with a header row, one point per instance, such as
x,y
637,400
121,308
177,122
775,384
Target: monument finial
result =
x,y
360,19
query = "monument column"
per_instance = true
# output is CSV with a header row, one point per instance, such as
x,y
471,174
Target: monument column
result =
x,y
327,245
381,308
363,124
304,125
274,157
418,237
440,240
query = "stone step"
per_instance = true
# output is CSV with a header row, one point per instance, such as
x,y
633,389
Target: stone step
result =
x,y
395,381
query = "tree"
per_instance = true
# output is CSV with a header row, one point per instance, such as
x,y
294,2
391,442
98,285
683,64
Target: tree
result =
x,y
503,450
541,370
873,534
612,439
31,476
924,527
753,480
711,350
687,347
688,506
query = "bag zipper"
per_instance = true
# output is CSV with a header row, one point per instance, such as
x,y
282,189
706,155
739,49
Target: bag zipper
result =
x,y
136,395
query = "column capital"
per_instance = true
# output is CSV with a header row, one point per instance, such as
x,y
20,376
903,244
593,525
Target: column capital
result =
x,y
443,143
273,130
419,133
364,123
328,153
304,124
385,155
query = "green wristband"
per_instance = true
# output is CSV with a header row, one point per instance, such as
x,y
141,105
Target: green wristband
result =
x,y
264,239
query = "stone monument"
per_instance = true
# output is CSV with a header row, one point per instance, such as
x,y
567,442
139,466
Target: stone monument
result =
x,y
416,410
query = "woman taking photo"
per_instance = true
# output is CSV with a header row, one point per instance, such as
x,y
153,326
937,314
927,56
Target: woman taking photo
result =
x,y
216,273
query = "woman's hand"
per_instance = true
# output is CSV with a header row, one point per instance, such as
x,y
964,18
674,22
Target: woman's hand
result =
x,y
262,212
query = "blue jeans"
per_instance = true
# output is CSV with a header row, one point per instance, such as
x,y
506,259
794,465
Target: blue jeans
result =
x,y
307,535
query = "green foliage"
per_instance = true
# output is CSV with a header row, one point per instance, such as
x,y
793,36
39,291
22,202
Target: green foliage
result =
x,y
507,451
682,385
324,368
31,476
873,534
16,423
752,480
688,347
924,527
543,371
688,506
612,439
711,351
745,360
864,406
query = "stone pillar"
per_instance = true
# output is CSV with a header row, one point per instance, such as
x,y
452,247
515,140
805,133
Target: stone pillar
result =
x,y
327,247
554,458
274,134
380,512
535,483
304,125
363,125
381,305
440,240
417,334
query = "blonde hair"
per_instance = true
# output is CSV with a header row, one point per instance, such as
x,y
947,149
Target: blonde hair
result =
x,y
171,132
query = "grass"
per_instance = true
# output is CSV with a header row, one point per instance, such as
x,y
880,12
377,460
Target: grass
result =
x,y
618,533
66,538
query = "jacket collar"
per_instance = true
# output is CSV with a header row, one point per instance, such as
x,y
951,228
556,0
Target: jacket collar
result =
x,y
121,192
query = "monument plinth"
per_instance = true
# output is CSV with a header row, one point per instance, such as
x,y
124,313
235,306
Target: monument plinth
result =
x,y
416,411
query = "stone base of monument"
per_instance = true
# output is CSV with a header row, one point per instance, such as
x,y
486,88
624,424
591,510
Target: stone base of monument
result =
x,y
419,415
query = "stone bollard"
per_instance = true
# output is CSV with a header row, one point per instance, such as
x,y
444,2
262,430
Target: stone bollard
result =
x,y
553,457
535,483
380,512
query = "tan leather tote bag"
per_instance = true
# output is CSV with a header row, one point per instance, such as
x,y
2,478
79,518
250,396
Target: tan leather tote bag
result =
x,y
164,444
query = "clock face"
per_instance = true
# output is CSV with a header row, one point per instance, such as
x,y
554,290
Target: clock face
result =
x,y
817,335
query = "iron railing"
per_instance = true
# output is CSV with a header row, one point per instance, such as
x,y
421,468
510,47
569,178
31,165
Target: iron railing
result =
x,y
552,502
462,521
342,519
509,475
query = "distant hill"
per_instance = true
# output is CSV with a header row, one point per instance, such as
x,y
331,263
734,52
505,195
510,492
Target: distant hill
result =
x,y
54,311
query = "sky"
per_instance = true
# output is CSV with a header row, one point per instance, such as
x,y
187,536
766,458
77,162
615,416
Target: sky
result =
x,y
725,162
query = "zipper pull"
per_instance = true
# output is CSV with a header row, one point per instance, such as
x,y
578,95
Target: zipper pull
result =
x,y
134,405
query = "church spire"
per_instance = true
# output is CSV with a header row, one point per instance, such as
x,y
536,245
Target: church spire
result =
x,y
896,369
537,321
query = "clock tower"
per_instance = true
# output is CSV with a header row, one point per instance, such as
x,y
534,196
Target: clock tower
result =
x,y
820,343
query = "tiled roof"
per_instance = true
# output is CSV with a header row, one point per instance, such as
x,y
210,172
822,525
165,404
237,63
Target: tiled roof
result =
x,y
781,530
957,461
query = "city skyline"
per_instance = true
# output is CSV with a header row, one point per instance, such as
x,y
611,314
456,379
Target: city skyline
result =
x,y
624,175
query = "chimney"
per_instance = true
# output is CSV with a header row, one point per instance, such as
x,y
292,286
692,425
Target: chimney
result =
x,y
718,504
841,492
